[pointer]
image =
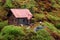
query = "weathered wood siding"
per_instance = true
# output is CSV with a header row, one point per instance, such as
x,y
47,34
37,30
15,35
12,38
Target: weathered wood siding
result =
x,y
12,20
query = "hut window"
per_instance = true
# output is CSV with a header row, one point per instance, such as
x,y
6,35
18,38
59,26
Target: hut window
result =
x,y
22,21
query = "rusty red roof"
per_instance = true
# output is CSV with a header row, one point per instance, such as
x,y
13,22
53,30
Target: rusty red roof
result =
x,y
22,13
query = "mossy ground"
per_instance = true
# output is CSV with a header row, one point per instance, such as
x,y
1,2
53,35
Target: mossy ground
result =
x,y
46,11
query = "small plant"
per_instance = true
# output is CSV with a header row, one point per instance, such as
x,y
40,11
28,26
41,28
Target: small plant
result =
x,y
12,33
9,4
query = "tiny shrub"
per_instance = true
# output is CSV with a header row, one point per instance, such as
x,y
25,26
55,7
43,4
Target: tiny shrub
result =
x,y
11,33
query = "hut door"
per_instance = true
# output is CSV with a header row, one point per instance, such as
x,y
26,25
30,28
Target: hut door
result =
x,y
20,21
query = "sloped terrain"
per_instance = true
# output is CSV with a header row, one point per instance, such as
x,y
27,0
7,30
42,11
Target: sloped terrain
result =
x,y
47,11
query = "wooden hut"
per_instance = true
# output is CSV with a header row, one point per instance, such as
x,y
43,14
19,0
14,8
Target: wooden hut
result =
x,y
19,16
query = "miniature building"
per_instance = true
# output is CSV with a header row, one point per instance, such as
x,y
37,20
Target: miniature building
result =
x,y
19,16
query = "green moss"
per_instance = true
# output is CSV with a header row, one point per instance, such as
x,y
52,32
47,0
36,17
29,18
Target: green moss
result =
x,y
44,35
57,25
53,18
51,27
39,16
2,24
11,33
15,32
9,4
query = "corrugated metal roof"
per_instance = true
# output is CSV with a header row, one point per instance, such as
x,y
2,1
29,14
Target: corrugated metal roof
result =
x,y
22,13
